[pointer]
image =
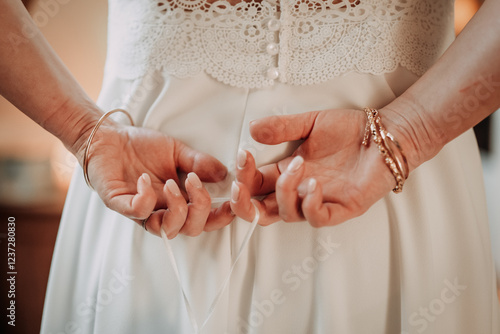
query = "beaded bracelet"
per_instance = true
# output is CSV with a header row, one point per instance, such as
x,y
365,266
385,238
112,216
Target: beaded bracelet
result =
x,y
91,137
390,149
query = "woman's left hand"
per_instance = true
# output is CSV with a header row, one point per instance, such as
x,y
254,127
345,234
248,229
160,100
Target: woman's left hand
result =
x,y
330,178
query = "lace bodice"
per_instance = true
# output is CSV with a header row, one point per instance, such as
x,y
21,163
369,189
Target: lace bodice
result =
x,y
255,43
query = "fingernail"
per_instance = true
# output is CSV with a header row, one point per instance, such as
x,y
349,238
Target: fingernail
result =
x,y
194,180
235,192
295,164
302,191
146,178
173,187
227,207
311,186
241,159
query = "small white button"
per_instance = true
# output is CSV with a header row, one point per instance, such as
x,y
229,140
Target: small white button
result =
x,y
273,73
273,24
272,49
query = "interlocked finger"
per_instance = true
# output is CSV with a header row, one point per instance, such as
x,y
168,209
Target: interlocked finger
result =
x,y
260,181
286,191
199,206
241,205
319,213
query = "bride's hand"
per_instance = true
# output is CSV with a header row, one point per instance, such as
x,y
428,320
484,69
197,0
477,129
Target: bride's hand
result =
x,y
135,172
330,178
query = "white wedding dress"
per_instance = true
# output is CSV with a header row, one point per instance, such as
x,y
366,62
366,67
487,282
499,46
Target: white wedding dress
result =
x,y
416,262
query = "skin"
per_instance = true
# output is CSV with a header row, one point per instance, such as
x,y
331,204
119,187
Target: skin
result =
x,y
129,167
337,180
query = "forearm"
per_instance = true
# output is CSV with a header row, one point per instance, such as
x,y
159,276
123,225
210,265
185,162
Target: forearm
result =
x,y
460,90
33,78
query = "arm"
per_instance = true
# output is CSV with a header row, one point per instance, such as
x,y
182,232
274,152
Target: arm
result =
x,y
134,170
335,178
459,91
35,80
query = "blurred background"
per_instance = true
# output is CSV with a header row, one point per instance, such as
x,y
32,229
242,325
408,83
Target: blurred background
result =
x,y
35,169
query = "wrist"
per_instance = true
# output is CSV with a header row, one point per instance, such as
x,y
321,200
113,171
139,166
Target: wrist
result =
x,y
78,126
415,133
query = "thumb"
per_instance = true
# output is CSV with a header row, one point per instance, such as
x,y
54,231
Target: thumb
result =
x,y
204,165
277,129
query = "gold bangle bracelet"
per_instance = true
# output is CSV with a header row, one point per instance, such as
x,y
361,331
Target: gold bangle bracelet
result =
x,y
388,146
91,137
398,154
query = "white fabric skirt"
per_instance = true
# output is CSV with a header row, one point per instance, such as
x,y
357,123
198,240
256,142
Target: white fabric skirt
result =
x,y
415,262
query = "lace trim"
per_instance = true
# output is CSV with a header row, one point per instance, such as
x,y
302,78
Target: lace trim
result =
x,y
254,43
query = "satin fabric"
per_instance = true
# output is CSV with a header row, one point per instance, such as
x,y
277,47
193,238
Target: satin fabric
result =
x,y
415,262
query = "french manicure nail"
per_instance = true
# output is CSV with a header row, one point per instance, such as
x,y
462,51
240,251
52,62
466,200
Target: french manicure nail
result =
x,y
146,178
173,188
235,192
241,159
194,180
302,191
295,164
311,186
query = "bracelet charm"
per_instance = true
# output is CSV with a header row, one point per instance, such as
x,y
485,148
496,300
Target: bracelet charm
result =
x,y
390,149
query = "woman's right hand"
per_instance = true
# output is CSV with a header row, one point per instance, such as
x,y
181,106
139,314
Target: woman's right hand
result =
x,y
135,172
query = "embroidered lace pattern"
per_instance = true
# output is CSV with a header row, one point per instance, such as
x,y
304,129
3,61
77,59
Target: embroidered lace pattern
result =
x,y
254,43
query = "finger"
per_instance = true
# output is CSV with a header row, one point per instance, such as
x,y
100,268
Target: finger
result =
x,y
277,129
198,208
286,191
241,205
139,205
259,181
219,217
152,223
175,216
204,165
240,201
318,213
171,219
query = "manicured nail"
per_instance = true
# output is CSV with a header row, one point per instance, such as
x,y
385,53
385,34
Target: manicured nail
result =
x,y
194,180
173,187
146,178
235,192
311,186
241,159
295,164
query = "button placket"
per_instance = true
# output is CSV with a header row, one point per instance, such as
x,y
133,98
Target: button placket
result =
x,y
273,25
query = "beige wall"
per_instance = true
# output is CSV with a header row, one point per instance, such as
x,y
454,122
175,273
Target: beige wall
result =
x,y
77,31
